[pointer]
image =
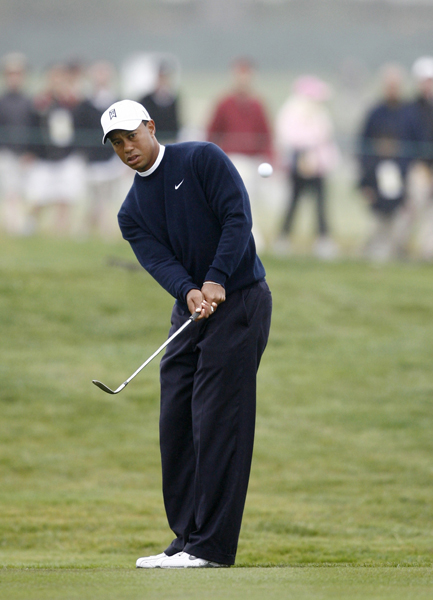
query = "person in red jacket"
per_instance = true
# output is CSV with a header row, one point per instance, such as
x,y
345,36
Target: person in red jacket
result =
x,y
240,127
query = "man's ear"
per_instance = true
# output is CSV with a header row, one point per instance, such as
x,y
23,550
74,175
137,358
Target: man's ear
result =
x,y
151,126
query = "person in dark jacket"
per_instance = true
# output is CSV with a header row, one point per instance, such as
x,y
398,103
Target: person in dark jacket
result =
x,y
188,220
163,105
57,178
17,130
103,169
385,154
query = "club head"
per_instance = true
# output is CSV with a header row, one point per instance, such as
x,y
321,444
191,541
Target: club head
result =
x,y
105,388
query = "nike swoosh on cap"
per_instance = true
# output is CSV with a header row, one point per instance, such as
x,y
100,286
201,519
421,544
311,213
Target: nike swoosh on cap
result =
x,y
176,187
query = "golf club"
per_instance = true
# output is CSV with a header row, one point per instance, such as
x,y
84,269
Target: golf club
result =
x,y
105,388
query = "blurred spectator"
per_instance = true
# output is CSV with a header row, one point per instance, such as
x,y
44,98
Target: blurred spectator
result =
x,y
239,125
103,169
384,161
305,138
74,76
57,178
17,121
421,109
420,113
163,105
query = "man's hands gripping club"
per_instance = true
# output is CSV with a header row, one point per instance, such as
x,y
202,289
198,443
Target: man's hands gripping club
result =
x,y
206,300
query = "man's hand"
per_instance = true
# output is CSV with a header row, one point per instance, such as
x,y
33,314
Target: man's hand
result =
x,y
207,300
196,303
213,293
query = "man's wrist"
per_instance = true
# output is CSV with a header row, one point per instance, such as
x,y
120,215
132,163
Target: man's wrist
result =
x,y
192,289
213,283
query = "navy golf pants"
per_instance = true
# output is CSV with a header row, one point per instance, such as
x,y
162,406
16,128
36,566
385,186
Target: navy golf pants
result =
x,y
208,408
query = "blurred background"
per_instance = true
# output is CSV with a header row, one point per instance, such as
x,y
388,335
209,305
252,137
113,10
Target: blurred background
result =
x,y
337,95
323,65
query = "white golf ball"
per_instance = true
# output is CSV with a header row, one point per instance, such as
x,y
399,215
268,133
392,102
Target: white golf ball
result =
x,y
265,170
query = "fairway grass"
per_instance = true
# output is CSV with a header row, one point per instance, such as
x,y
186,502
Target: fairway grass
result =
x,y
234,584
341,490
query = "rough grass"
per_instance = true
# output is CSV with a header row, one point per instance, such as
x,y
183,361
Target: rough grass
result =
x,y
342,471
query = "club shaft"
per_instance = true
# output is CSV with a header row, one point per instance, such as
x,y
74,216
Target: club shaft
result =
x,y
108,390
161,348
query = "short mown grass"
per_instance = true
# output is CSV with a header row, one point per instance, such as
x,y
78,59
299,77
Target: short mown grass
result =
x,y
229,584
342,472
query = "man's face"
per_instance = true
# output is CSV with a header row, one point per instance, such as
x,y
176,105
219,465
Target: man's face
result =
x,y
243,78
14,79
138,149
393,83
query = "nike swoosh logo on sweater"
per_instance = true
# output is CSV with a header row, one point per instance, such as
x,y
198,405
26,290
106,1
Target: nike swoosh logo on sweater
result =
x,y
176,187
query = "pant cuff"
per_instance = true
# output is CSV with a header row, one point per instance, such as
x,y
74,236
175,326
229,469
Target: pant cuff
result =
x,y
208,554
172,549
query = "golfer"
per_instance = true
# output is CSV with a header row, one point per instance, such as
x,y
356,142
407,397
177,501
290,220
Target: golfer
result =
x,y
187,217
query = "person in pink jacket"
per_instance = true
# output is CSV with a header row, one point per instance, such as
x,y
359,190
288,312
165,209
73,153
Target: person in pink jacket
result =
x,y
304,137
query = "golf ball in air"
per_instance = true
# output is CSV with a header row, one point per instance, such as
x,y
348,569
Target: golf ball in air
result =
x,y
265,170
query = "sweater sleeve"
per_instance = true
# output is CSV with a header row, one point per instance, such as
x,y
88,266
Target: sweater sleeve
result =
x,y
228,199
158,260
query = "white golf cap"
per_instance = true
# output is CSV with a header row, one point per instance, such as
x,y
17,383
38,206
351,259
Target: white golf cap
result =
x,y
125,114
423,68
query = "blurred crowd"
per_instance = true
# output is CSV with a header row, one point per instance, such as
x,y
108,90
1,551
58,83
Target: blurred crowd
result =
x,y
51,154
57,177
395,151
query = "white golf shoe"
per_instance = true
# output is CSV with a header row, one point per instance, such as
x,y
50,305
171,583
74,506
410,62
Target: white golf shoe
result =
x,y
183,560
151,562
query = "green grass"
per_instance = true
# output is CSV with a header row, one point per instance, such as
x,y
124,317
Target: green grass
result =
x,y
234,584
341,486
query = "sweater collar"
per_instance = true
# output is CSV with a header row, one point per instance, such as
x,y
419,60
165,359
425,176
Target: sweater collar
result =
x,y
155,164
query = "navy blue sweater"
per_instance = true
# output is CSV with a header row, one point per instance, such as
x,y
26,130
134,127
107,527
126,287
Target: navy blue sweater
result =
x,y
190,222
